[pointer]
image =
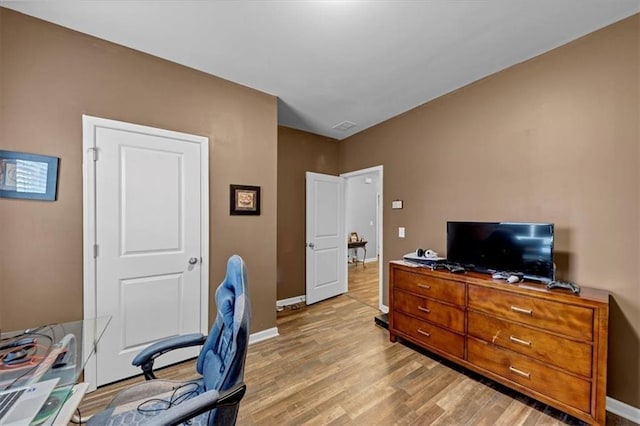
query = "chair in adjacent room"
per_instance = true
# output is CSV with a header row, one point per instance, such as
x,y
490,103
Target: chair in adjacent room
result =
x,y
214,397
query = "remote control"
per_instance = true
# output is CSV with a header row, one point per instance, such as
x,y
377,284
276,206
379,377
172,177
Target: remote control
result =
x,y
564,285
454,269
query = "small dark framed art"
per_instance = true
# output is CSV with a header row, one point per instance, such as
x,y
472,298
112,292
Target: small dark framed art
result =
x,y
244,200
28,176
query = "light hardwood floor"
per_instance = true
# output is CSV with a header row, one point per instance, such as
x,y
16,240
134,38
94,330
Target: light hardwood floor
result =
x,y
332,365
363,283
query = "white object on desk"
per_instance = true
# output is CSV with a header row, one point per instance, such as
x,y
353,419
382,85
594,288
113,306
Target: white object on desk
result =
x,y
28,403
70,405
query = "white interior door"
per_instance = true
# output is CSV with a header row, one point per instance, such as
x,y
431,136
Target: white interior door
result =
x,y
326,251
148,228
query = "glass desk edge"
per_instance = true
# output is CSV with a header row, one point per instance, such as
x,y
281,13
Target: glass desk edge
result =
x,y
79,339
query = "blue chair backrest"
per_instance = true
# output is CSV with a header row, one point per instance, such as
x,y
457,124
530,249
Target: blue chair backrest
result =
x,y
221,361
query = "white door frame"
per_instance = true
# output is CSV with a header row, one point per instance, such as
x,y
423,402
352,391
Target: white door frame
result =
x,y
89,124
379,169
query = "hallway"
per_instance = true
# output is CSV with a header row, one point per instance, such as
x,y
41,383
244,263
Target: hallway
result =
x,y
363,283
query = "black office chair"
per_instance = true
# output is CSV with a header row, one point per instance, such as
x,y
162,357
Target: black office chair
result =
x,y
214,397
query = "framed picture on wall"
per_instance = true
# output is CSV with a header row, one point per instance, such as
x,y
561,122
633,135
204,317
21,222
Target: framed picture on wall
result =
x,y
28,176
244,200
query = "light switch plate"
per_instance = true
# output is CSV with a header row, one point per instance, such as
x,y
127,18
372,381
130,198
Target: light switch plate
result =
x,y
401,232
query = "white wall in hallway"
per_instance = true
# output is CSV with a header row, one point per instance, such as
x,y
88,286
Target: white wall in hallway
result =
x,y
362,192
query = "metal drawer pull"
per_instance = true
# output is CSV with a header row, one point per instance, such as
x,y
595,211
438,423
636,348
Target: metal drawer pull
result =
x,y
522,342
520,372
424,333
423,309
522,310
428,287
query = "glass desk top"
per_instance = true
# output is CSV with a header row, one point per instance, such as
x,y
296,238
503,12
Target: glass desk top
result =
x,y
55,351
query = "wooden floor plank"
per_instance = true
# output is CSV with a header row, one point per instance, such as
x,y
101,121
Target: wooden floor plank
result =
x,y
331,365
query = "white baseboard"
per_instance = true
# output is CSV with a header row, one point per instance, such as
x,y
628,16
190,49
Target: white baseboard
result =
x,y
269,333
291,301
623,410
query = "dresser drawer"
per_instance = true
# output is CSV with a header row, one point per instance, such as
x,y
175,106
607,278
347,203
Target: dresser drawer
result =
x,y
430,310
429,335
534,375
547,348
436,288
561,318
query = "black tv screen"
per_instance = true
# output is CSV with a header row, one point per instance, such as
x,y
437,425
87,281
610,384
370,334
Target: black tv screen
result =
x,y
502,247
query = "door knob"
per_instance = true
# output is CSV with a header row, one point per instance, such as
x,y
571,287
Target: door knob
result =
x,y
193,260
311,245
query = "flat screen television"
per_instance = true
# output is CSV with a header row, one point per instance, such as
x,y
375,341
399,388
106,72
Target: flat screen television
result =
x,y
503,247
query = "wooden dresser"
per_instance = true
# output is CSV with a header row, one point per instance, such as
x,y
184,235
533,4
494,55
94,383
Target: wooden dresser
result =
x,y
548,344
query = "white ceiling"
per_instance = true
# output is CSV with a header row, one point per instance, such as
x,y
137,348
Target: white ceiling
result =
x,y
334,61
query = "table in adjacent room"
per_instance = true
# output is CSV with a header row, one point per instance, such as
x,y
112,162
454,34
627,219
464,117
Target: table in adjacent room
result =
x,y
355,246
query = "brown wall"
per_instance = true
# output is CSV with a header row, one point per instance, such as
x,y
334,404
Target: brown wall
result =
x,y
298,152
51,76
554,139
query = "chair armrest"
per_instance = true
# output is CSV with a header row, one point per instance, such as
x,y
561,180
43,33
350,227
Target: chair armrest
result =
x,y
202,403
147,356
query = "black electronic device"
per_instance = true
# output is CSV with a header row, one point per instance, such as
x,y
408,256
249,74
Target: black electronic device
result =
x,y
19,355
454,269
575,289
24,341
18,351
62,359
488,247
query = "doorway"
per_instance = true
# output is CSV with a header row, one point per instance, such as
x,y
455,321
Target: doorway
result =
x,y
363,215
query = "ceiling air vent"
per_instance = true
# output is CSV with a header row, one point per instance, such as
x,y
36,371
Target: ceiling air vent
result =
x,y
344,126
